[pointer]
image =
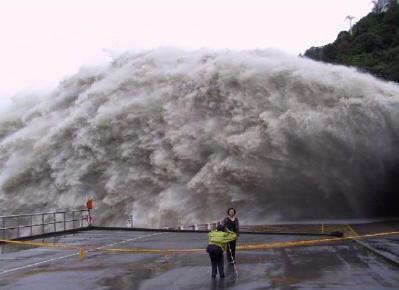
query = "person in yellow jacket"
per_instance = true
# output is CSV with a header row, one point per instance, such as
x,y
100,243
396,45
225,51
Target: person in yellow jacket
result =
x,y
218,240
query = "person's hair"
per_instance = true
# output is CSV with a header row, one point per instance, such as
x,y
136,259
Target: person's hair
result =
x,y
231,208
221,228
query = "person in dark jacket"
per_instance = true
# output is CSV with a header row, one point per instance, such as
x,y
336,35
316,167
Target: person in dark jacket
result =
x,y
218,240
232,224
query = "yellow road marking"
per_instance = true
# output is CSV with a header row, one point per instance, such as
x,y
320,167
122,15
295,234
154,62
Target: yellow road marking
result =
x,y
243,247
41,244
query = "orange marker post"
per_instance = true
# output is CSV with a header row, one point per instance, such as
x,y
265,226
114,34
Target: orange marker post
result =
x,y
89,206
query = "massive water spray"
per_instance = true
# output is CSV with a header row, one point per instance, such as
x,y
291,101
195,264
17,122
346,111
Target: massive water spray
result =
x,y
178,136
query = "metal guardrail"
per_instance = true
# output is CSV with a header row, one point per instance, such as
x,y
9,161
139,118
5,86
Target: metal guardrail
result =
x,y
199,227
25,225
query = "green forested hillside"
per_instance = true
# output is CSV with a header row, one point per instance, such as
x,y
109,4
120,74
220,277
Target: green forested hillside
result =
x,y
372,47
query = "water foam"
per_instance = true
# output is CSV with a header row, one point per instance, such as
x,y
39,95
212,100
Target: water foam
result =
x,y
177,136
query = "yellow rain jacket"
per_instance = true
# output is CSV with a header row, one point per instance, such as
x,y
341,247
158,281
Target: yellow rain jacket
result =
x,y
220,238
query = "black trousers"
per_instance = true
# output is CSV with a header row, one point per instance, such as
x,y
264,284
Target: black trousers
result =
x,y
231,246
216,255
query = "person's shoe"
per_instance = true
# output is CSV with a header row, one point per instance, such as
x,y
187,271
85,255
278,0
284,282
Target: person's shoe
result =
x,y
232,262
213,276
222,276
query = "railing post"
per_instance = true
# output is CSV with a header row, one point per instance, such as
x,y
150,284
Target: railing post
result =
x,y
17,226
130,220
42,223
3,223
31,225
54,221
64,221
88,218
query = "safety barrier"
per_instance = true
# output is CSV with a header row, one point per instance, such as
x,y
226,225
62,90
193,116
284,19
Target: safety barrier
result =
x,y
25,225
242,247
314,229
257,246
198,227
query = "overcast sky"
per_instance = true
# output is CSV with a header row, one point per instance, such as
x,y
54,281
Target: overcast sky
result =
x,y
42,41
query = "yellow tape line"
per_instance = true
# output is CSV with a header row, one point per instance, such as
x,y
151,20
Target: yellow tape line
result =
x,y
262,246
352,230
244,247
41,244
310,242
153,251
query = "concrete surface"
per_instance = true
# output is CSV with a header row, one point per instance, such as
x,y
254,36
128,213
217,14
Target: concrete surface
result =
x,y
333,266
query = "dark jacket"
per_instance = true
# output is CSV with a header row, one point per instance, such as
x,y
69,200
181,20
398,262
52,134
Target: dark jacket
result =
x,y
233,226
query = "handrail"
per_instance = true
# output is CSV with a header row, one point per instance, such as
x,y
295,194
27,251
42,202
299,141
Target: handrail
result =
x,y
37,225
42,220
42,213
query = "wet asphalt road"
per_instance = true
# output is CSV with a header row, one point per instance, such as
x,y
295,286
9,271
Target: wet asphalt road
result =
x,y
334,266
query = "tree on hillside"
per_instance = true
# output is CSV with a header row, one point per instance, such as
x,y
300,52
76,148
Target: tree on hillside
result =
x,y
373,45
